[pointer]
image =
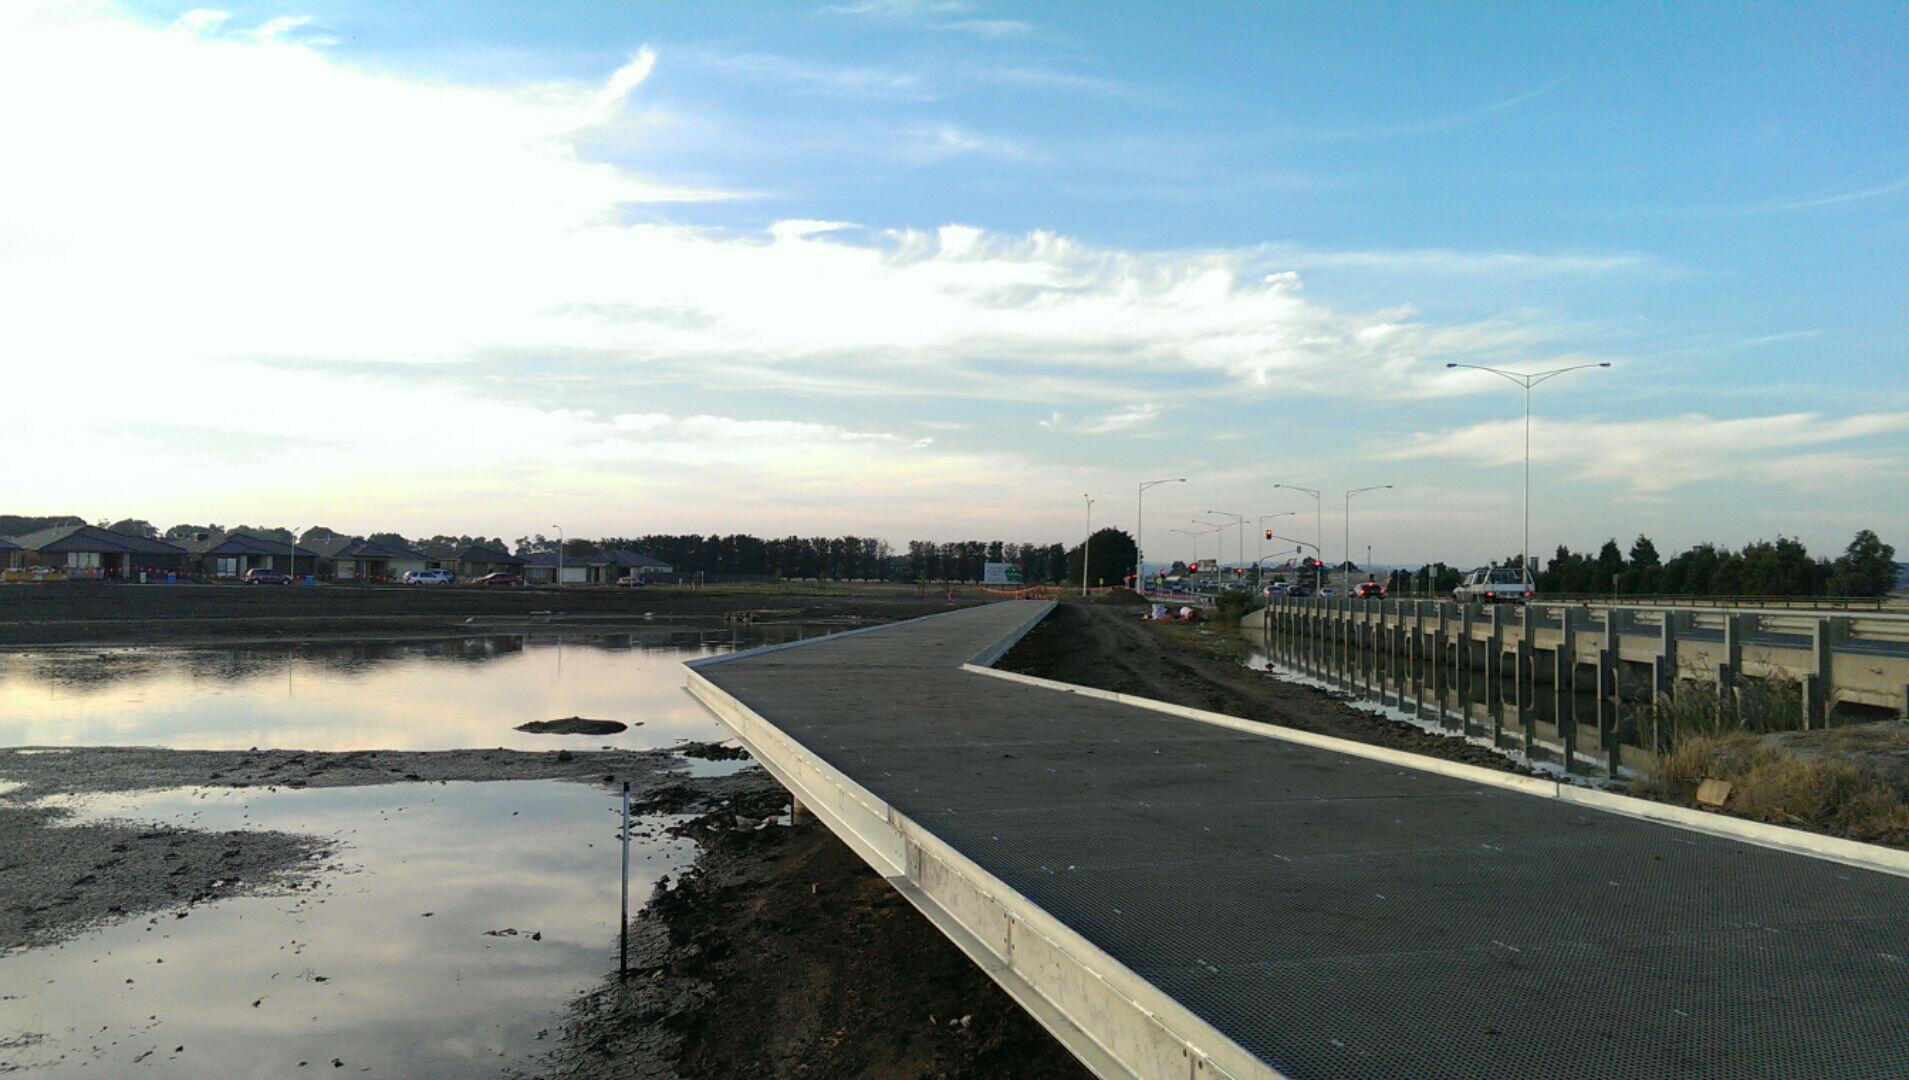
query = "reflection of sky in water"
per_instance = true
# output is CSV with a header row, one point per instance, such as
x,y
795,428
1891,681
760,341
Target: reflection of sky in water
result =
x,y
389,695
403,995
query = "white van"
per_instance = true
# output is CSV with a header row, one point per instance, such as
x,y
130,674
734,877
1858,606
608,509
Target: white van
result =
x,y
1495,585
428,577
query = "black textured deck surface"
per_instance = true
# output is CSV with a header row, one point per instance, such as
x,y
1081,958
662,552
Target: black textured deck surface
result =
x,y
1341,917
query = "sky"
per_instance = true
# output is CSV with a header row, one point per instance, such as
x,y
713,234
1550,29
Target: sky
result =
x,y
940,269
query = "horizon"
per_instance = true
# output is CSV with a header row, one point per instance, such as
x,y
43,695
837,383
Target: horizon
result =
x,y
937,269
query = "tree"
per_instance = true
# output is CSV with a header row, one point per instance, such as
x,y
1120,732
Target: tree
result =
x,y
1111,556
135,527
1867,567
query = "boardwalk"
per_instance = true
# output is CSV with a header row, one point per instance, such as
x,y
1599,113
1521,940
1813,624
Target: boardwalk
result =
x,y
1176,898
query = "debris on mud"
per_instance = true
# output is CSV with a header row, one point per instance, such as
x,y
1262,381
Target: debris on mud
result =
x,y
575,725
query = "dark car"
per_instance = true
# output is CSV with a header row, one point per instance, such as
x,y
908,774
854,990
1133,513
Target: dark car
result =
x,y
1298,591
499,578
263,576
1369,590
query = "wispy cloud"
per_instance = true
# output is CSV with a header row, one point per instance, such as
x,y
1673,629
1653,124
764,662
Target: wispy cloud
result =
x,y
1126,418
944,141
1827,197
1448,261
996,28
826,79
1773,339
1431,125
1662,454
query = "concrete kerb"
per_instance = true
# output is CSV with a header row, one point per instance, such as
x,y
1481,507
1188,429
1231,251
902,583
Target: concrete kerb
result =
x,y
1782,838
1033,956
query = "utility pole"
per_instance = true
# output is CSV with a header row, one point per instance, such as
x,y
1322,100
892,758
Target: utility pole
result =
x,y
1087,545
1348,548
1139,523
1528,381
559,580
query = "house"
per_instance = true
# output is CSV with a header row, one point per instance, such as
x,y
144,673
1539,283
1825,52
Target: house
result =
x,y
9,554
350,558
595,568
233,554
88,551
476,560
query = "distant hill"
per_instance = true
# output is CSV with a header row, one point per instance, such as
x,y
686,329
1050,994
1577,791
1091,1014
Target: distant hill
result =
x,y
21,524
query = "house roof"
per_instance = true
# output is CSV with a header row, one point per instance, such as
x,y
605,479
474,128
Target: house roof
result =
x,y
7,545
484,553
617,557
94,538
238,543
352,547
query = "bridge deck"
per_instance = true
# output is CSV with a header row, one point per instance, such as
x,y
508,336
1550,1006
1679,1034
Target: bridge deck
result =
x,y
1336,916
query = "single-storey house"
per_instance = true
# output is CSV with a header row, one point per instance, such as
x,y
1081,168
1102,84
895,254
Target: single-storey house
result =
x,y
477,560
88,551
350,558
233,554
9,554
597,568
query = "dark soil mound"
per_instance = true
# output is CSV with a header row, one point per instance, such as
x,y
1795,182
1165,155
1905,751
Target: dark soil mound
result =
x,y
573,725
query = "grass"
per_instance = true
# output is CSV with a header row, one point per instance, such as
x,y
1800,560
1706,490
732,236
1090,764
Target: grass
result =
x,y
1694,710
1772,783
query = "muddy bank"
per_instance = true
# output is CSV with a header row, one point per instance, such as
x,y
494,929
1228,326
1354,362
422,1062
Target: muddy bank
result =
x,y
60,879
781,954
1109,648
73,613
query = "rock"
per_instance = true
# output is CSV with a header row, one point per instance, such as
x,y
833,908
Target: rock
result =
x,y
565,755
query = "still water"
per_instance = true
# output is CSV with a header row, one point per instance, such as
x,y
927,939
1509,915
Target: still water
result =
x,y
451,925
380,695
395,963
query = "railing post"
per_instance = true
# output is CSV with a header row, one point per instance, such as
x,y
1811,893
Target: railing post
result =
x,y
1564,672
1663,677
1524,685
1438,668
1610,658
1418,659
1494,675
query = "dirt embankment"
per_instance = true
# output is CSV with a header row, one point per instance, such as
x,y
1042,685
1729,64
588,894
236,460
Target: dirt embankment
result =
x,y
1110,648
71,613
781,954
61,878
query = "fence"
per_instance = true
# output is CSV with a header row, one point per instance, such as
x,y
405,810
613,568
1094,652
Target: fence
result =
x,y
1477,670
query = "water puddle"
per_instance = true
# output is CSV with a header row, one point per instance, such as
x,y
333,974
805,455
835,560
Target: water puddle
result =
x,y
454,923
383,695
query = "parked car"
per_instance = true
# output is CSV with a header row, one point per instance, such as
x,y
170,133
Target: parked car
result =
x,y
631,581
1299,591
1495,585
428,577
1369,590
499,578
264,576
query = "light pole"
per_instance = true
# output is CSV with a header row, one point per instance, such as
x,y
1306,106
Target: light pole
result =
x,y
1318,516
1240,520
1348,547
1265,535
559,578
1139,523
1528,381
1087,545
1303,545
1196,541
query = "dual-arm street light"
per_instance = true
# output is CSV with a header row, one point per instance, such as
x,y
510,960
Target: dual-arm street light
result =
x,y
1348,549
1240,520
1528,381
1139,523
1318,515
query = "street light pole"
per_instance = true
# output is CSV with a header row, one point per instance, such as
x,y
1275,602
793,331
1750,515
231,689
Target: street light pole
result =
x,y
1240,520
1087,545
1139,524
1318,520
1348,548
1259,565
559,578
1528,381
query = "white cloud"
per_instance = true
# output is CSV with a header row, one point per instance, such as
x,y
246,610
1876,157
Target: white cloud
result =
x,y
1659,455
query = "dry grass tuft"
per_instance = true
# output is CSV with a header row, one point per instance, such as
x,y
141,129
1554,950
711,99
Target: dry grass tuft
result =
x,y
1772,784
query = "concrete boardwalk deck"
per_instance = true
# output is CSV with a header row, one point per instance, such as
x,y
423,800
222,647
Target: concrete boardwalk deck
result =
x,y
1272,908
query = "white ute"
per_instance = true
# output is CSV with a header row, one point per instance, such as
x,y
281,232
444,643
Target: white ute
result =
x,y
1495,585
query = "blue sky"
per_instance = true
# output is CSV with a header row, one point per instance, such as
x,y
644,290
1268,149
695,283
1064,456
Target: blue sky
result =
x,y
1233,242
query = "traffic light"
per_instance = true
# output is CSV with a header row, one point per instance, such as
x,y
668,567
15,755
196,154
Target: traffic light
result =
x,y
1269,534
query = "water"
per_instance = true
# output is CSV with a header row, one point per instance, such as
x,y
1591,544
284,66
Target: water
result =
x,y
351,968
382,695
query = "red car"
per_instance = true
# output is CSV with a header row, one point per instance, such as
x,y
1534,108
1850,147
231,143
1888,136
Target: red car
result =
x,y
499,578
1369,590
